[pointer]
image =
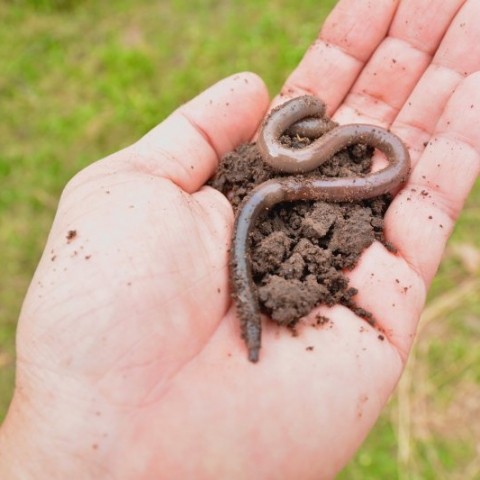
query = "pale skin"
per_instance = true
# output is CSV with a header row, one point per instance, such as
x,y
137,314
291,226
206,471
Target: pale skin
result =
x,y
130,363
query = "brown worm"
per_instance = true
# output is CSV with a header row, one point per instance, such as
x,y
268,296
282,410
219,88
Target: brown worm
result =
x,y
289,189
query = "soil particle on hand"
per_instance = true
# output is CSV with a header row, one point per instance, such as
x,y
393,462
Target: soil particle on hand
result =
x,y
300,251
71,235
290,299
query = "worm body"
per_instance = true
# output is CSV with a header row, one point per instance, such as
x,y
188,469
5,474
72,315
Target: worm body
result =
x,y
291,188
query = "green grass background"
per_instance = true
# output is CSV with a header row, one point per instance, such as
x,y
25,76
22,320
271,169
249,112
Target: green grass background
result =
x,y
82,79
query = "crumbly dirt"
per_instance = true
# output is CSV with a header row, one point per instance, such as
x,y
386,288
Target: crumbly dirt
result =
x,y
300,251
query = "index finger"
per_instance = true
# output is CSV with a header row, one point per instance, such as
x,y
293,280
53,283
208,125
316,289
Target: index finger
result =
x,y
348,38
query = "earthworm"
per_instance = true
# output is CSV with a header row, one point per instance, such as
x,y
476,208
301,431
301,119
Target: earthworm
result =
x,y
291,188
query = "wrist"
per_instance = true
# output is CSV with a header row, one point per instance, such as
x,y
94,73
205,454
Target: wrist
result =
x,y
32,449
16,456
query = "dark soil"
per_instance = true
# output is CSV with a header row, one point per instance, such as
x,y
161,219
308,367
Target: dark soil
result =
x,y
300,251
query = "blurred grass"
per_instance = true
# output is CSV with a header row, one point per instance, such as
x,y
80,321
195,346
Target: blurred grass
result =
x,y
82,79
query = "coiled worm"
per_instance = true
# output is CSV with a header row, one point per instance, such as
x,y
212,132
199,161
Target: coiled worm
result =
x,y
291,188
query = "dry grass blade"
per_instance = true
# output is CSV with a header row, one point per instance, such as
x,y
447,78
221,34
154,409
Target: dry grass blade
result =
x,y
415,382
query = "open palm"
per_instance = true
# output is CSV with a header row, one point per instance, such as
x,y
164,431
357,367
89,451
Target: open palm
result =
x,y
130,361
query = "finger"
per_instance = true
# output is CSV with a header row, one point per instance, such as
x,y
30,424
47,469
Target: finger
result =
x,y
421,218
441,181
187,146
346,41
457,56
398,63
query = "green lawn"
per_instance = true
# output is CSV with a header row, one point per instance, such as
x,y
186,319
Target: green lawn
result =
x,y
81,79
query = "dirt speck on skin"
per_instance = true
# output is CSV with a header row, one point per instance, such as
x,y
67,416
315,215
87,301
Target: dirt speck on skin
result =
x,y
300,251
71,235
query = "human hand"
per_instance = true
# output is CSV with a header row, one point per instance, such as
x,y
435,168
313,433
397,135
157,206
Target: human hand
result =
x,y
130,363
